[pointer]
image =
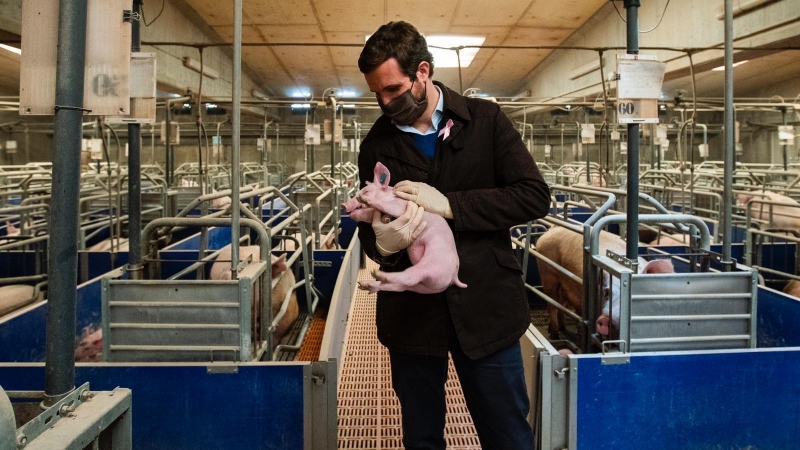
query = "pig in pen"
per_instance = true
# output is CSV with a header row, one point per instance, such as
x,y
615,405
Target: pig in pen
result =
x,y
772,243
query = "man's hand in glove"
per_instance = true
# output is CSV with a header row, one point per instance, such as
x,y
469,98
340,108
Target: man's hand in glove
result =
x,y
425,196
400,233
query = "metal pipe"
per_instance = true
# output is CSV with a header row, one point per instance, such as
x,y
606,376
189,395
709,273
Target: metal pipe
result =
x,y
134,172
236,120
333,137
632,201
705,237
727,263
62,266
785,157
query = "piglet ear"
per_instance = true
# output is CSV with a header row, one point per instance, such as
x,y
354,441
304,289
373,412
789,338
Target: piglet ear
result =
x,y
278,265
381,175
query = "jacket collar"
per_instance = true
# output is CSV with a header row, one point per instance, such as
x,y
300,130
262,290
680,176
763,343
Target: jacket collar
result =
x,y
454,102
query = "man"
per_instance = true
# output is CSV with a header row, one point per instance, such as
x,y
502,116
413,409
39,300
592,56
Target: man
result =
x,y
460,158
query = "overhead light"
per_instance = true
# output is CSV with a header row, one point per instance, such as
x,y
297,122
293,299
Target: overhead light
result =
x,y
11,49
187,106
347,94
569,107
301,93
301,105
259,95
444,57
211,106
722,68
585,69
349,106
194,64
663,107
524,94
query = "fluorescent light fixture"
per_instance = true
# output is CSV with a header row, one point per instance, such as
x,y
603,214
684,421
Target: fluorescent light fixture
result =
x,y
524,94
347,105
211,106
301,105
301,93
259,95
194,64
569,107
187,106
11,49
444,57
585,69
347,94
722,68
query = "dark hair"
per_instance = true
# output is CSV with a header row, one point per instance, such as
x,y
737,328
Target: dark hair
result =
x,y
398,40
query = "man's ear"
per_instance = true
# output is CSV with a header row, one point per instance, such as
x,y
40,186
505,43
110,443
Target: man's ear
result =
x,y
424,71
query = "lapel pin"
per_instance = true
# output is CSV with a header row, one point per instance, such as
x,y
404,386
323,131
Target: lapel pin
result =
x,y
446,130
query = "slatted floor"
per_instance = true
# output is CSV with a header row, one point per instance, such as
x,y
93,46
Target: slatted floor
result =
x,y
369,412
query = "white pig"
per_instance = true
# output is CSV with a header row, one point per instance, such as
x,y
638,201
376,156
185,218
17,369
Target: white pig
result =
x,y
782,217
90,348
565,248
15,296
120,245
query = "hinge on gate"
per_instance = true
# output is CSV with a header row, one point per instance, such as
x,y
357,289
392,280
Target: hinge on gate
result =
x,y
318,379
128,16
561,373
618,357
622,260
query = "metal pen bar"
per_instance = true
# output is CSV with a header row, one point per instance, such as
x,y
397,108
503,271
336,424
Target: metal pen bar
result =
x,y
236,134
727,198
691,317
554,303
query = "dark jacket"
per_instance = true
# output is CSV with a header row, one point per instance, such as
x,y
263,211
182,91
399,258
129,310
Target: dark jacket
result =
x,y
493,184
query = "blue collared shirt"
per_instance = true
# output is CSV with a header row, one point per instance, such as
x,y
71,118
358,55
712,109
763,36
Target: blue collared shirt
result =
x,y
436,118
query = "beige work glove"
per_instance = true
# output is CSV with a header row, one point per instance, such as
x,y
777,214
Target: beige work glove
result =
x,y
425,196
400,233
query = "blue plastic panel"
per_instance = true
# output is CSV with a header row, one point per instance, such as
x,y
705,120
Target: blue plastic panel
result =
x,y
726,400
100,263
778,319
17,263
23,336
185,408
218,237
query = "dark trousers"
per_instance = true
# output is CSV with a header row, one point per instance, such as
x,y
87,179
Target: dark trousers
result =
x,y
494,389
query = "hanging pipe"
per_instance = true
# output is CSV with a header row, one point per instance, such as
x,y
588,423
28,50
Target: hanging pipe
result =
x,y
237,115
62,266
727,263
135,267
632,200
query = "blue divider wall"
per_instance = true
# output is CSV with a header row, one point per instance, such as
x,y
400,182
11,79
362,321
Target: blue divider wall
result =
x,y
100,263
186,408
703,400
17,263
23,334
778,318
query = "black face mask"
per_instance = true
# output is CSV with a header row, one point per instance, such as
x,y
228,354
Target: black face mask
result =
x,y
405,109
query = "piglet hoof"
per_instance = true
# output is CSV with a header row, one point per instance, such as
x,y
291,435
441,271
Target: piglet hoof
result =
x,y
371,286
